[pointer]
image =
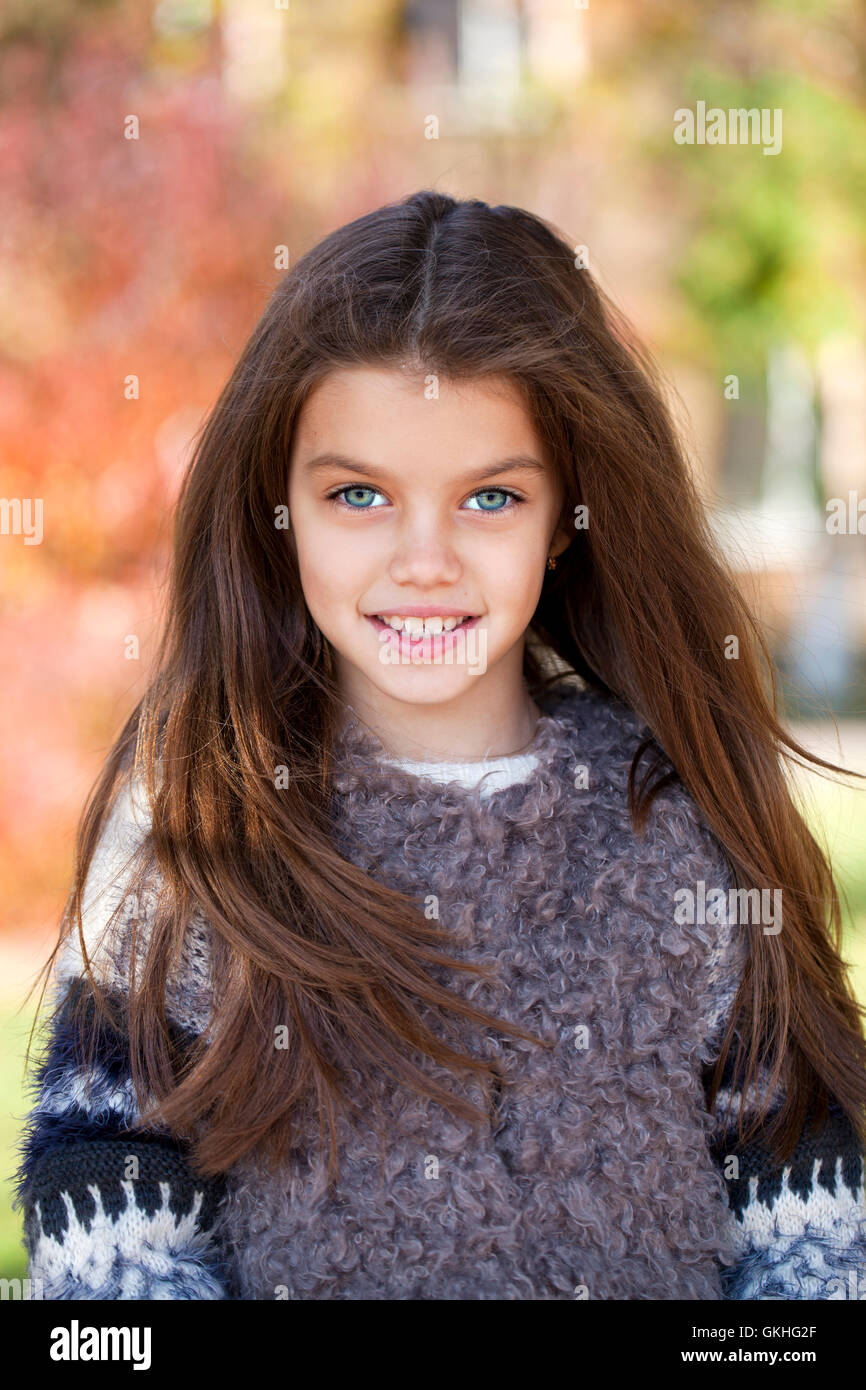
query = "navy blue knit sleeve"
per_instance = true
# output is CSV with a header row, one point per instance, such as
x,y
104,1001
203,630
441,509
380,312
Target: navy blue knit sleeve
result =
x,y
112,1209
795,1230
798,1228
110,1212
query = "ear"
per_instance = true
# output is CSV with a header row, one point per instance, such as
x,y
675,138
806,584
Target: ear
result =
x,y
561,541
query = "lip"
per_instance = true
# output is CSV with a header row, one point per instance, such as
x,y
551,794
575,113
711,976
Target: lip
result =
x,y
422,610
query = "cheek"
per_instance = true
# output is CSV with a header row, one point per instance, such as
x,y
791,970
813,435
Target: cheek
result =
x,y
513,577
324,583
333,573
318,575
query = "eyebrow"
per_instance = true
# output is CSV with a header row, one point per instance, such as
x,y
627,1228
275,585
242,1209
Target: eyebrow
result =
x,y
516,463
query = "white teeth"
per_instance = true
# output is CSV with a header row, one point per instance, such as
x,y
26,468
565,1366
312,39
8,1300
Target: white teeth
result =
x,y
428,627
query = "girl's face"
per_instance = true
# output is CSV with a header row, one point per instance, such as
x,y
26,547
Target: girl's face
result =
x,y
405,507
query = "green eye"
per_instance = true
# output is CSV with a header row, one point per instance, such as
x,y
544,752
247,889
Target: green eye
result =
x,y
495,493
357,504
358,497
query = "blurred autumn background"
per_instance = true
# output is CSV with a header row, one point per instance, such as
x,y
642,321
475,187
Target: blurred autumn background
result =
x,y
161,164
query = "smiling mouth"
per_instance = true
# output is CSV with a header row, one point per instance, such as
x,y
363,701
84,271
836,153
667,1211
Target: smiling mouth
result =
x,y
414,629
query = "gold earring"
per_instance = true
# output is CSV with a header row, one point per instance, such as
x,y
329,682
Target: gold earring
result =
x,y
551,562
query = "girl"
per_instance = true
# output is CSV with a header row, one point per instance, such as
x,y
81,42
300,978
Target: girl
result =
x,y
443,925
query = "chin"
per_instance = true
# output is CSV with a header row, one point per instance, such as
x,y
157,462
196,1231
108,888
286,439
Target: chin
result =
x,y
432,687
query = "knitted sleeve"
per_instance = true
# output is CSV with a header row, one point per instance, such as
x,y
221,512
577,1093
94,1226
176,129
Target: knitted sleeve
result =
x,y
111,1210
797,1230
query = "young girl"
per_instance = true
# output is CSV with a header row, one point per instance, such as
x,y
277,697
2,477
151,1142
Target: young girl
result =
x,y
443,925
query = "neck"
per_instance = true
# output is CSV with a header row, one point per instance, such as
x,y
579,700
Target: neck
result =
x,y
446,733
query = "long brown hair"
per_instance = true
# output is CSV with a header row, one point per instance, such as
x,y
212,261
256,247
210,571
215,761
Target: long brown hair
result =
x,y
639,606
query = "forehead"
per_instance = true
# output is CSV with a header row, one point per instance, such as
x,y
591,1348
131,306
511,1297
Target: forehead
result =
x,y
383,409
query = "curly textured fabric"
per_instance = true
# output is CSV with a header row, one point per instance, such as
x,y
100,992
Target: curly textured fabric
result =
x,y
595,1178
600,1175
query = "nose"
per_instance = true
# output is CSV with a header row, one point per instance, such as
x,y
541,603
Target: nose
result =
x,y
424,554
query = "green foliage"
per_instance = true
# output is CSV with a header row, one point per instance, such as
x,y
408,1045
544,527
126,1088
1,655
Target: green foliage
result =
x,y
769,235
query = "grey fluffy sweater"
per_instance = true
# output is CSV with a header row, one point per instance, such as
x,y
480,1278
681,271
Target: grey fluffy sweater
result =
x,y
599,1177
